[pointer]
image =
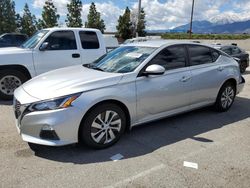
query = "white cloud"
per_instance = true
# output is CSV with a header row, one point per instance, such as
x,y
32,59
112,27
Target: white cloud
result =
x,y
162,15
61,5
109,13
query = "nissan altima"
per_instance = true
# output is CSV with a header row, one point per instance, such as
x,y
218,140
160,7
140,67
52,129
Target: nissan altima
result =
x,y
136,83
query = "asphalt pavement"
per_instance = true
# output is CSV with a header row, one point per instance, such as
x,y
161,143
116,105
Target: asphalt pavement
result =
x,y
215,148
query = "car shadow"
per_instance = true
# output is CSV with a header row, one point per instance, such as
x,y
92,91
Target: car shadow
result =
x,y
149,137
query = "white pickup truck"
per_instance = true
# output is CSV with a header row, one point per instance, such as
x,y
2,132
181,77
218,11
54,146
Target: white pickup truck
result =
x,y
48,49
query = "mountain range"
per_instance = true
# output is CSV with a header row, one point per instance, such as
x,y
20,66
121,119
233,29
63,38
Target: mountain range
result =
x,y
220,24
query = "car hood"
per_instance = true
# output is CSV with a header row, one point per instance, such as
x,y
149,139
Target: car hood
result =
x,y
13,50
69,80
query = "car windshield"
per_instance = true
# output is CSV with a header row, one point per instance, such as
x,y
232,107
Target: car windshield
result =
x,y
34,40
122,60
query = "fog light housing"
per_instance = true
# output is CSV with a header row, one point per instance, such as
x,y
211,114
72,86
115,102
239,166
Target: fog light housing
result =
x,y
48,133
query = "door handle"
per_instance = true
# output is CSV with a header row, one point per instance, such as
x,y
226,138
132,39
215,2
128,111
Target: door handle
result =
x,y
185,78
220,68
75,55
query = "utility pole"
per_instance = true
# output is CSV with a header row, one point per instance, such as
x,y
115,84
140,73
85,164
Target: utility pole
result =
x,y
138,17
191,22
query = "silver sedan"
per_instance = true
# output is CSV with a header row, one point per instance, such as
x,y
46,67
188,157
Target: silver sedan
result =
x,y
137,83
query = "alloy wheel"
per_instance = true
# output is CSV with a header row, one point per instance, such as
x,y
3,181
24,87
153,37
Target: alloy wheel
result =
x,y
227,97
106,127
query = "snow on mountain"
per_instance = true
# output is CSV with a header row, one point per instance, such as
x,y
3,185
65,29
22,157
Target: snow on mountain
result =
x,y
226,18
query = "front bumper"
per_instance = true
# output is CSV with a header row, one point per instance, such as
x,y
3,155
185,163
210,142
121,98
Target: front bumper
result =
x,y
63,122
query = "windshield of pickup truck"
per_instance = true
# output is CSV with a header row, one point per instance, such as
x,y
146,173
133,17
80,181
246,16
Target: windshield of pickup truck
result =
x,y
122,60
34,40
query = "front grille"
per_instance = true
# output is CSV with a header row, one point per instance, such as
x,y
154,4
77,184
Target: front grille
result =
x,y
17,107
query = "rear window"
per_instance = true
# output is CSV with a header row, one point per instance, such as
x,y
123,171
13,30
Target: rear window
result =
x,y
199,55
89,40
215,54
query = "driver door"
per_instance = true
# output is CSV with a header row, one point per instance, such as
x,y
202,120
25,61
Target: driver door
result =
x,y
61,52
168,93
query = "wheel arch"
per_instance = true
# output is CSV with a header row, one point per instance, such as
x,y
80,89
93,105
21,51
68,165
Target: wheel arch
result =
x,y
19,68
109,101
229,80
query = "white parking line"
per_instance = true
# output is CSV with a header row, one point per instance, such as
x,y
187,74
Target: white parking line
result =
x,y
116,157
190,164
144,173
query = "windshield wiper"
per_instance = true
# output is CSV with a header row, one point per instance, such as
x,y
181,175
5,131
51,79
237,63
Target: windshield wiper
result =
x,y
91,66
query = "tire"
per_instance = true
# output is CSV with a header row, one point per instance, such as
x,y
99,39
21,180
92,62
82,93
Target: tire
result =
x,y
225,97
9,81
103,126
243,67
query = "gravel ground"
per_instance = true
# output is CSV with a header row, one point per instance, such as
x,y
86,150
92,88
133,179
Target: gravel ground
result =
x,y
219,143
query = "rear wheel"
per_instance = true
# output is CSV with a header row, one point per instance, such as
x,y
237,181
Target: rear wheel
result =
x,y
225,97
103,126
9,81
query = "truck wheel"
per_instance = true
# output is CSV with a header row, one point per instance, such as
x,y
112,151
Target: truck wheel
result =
x,y
9,81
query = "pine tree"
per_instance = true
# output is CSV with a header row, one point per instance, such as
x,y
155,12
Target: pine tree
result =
x,y
124,25
18,23
74,14
40,24
141,24
49,15
94,19
28,22
7,16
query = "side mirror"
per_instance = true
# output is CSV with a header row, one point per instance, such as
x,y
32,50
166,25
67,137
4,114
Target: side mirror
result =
x,y
44,46
154,70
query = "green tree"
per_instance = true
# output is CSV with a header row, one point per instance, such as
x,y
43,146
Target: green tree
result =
x,y
124,25
49,15
74,14
94,19
7,16
28,22
141,26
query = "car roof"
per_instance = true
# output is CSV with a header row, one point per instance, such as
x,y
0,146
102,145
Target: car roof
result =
x,y
13,34
221,46
161,43
71,29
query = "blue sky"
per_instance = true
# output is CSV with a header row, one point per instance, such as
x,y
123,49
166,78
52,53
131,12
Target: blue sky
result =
x,y
160,14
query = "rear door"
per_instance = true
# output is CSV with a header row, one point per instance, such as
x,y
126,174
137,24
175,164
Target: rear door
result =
x,y
61,52
207,74
169,92
91,46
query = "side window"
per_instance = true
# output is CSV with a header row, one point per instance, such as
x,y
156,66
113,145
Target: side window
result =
x,y
235,50
20,39
215,54
227,50
199,55
61,40
172,57
7,38
89,40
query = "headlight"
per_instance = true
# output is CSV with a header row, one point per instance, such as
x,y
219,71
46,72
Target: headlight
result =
x,y
53,104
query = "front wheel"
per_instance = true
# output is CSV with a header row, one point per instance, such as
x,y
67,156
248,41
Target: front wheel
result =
x,y
225,97
103,126
9,81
